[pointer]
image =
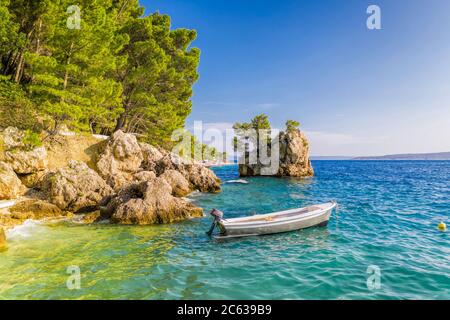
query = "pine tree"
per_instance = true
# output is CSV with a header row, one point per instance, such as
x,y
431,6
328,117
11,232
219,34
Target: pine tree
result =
x,y
292,125
71,83
117,70
157,78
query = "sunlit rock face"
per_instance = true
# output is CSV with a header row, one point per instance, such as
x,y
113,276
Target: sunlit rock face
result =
x,y
120,159
149,202
10,185
118,179
76,187
292,160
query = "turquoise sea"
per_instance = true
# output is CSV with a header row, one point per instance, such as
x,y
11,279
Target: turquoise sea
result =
x,y
387,221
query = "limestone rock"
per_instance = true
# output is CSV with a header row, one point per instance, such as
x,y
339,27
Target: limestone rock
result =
x,y
34,209
12,138
203,179
143,176
180,186
33,180
10,185
294,155
26,162
76,188
90,217
8,222
199,177
151,156
293,158
150,202
121,158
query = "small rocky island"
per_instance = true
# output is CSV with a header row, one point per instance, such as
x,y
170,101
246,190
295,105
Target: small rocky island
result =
x,y
293,157
90,179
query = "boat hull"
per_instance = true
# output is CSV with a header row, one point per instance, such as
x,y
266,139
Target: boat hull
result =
x,y
302,221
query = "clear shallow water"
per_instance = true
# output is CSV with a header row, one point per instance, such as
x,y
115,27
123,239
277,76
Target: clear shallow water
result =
x,y
388,217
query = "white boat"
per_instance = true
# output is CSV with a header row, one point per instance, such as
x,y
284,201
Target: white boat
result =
x,y
276,222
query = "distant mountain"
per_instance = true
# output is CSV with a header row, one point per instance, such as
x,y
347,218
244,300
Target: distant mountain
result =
x,y
411,156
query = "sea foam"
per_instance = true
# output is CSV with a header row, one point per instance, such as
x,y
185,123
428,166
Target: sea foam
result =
x,y
242,181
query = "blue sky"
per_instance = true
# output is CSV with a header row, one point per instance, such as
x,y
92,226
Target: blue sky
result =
x,y
355,91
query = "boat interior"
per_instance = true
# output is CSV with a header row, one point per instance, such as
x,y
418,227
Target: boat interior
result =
x,y
274,216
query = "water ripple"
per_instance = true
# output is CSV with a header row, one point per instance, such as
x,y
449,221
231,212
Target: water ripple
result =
x,y
387,218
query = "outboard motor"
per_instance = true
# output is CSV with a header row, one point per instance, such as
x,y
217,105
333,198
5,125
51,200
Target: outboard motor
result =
x,y
217,217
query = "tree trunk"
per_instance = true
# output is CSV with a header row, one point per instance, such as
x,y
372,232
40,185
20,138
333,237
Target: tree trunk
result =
x,y
8,62
21,63
19,68
120,122
66,74
126,106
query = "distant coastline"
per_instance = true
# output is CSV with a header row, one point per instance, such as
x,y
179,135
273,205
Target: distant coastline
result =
x,y
407,156
330,158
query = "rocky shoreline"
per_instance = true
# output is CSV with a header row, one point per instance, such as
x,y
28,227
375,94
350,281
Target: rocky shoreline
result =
x,y
119,179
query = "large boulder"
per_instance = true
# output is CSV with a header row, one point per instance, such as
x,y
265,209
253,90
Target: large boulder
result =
x,y
150,202
294,155
152,156
142,176
203,179
8,222
12,138
34,209
199,177
27,161
10,185
293,158
76,188
121,158
33,180
180,186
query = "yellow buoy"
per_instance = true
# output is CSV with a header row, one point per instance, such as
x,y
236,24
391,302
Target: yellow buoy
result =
x,y
442,226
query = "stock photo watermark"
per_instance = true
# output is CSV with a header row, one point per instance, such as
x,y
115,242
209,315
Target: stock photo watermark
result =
x,y
374,277
74,19
74,280
374,20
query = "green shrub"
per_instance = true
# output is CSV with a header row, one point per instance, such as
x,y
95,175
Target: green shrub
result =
x,y
31,140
